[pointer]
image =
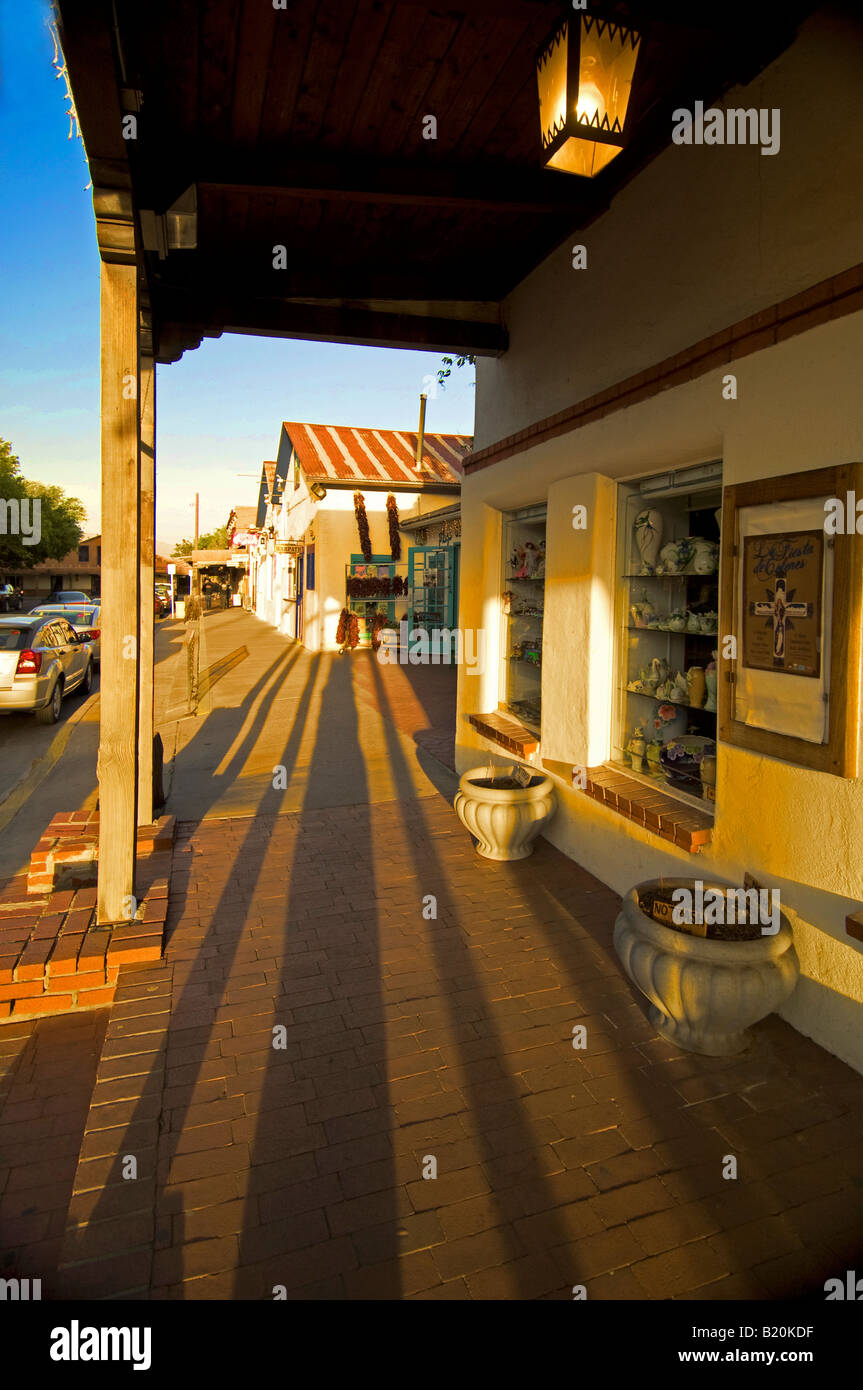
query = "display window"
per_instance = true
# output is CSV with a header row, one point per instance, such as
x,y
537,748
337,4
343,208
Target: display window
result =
x,y
664,726
523,601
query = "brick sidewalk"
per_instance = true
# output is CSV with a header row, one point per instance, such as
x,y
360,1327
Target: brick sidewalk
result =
x,y
450,1038
419,700
47,1071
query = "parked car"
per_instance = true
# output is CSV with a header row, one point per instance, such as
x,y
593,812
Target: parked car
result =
x,y
161,603
70,596
41,660
85,618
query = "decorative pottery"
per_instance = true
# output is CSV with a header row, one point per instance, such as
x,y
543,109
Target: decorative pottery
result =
x,y
652,752
641,609
708,775
648,538
704,994
635,748
695,679
669,722
704,556
504,821
710,683
677,620
681,761
679,692
659,670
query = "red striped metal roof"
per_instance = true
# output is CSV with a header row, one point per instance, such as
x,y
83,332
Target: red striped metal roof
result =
x,y
346,454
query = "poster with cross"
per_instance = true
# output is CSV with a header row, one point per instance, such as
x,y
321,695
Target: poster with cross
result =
x,y
782,577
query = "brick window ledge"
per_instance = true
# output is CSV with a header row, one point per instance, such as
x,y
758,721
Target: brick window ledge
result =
x,y
508,732
673,820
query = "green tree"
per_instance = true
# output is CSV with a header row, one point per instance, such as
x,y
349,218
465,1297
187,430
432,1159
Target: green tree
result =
x,y
57,522
465,359
212,540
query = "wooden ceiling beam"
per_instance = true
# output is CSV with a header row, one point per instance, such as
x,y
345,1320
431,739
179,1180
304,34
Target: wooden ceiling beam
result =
x,y
495,187
188,319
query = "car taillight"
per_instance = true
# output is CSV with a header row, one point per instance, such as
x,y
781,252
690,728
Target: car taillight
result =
x,y
29,663
92,634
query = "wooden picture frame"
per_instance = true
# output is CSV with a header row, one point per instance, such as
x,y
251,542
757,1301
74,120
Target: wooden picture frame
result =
x,y
839,755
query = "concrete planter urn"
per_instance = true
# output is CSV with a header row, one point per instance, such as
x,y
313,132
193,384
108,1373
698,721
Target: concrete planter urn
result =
x,y
503,817
704,993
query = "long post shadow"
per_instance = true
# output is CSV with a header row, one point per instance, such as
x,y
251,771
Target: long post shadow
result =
x,y
187,1012
501,1129
330,911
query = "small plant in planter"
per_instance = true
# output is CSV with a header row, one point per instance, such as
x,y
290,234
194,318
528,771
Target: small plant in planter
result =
x,y
504,810
709,972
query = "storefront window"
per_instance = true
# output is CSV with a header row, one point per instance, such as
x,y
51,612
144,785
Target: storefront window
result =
x,y
668,564
523,591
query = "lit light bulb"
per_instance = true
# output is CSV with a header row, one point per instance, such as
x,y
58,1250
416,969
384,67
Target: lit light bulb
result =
x,y
590,103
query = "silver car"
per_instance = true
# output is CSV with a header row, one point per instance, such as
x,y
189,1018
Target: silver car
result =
x,y
84,617
41,660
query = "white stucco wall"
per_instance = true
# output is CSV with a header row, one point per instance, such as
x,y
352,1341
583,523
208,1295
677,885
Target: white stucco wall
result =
x,y
700,239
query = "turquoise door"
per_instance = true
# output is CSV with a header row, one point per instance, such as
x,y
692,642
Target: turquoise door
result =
x,y
431,596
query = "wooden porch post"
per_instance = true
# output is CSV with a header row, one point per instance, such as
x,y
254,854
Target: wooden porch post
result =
x,y
148,548
121,508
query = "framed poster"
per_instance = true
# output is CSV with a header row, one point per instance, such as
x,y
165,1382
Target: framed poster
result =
x,y
791,607
782,576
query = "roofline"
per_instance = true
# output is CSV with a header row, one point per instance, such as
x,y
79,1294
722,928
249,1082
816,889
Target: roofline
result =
x,y
377,429
414,523
362,485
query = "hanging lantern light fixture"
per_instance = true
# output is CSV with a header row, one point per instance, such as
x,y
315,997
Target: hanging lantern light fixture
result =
x,y
584,74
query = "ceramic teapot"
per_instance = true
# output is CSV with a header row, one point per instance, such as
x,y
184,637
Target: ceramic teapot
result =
x,y
679,692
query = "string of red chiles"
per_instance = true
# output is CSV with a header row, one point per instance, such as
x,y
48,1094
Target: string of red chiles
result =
x,y
393,519
363,526
348,630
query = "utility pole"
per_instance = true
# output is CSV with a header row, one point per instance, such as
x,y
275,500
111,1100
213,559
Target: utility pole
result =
x,y
197,504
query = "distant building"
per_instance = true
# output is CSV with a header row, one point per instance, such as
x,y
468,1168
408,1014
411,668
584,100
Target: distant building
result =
x,y
80,569
307,564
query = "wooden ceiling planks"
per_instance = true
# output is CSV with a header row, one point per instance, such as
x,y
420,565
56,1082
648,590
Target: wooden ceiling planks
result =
x,y
435,44
319,85
380,102
288,52
303,127
254,50
364,38
476,84
219,26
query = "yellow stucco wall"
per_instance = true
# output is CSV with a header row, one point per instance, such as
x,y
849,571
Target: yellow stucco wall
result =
x,y
799,406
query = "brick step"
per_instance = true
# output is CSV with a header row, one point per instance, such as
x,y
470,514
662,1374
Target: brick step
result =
x,y
67,854
53,957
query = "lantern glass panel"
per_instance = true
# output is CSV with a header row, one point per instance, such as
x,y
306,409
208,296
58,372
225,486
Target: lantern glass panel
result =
x,y
551,80
607,57
585,157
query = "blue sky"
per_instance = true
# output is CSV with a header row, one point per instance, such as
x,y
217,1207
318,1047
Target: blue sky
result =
x,y
219,409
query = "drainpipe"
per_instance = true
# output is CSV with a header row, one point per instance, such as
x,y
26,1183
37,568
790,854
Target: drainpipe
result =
x,y
421,434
